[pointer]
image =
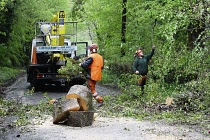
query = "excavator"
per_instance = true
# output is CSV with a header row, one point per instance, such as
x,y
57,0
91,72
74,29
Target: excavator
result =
x,y
54,42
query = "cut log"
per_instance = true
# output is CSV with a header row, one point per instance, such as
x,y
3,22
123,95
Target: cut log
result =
x,y
85,116
81,101
84,96
76,108
62,107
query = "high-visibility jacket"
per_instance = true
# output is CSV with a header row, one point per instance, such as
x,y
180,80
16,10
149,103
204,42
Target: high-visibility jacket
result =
x,y
96,66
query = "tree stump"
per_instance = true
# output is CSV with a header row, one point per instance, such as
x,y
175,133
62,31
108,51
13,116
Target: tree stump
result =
x,y
76,108
62,108
80,118
83,117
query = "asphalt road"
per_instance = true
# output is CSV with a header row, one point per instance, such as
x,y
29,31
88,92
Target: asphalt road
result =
x,y
102,128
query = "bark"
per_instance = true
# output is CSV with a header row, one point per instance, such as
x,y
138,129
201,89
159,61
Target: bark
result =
x,y
62,108
76,108
80,118
85,96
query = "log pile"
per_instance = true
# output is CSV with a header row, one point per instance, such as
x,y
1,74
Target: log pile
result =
x,y
76,108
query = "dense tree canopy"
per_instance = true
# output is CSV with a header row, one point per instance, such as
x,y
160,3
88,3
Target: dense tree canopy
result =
x,y
179,29
17,26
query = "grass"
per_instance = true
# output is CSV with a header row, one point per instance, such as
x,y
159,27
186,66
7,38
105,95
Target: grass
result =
x,y
151,106
128,103
8,74
23,113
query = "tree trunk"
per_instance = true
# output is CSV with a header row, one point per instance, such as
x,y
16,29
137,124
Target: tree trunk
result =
x,y
62,108
76,108
83,117
84,96
80,118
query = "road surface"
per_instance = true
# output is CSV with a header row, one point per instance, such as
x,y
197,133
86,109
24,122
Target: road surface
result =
x,y
102,128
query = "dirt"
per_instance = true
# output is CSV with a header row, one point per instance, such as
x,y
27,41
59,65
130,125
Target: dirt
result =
x,y
103,128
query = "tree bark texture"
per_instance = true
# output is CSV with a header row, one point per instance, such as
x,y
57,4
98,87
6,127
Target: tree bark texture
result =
x,y
62,108
76,109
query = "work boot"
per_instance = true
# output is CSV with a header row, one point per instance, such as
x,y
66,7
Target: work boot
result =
x,y
142,90
100,104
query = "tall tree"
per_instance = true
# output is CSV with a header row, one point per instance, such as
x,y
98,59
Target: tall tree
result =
x,y
124,2
18,18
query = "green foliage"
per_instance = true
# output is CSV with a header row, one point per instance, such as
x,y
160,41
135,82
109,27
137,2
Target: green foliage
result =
x,y
109,78
192,108
103,17
2,4
195,96
77,9
7,74
179,29
23,113
4,104
72,68
179,67
165,24
5,61
17,28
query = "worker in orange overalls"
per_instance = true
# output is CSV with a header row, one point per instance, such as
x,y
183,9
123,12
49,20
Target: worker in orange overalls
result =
x,y
94,65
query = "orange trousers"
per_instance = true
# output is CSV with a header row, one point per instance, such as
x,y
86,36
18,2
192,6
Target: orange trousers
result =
x,y
92,86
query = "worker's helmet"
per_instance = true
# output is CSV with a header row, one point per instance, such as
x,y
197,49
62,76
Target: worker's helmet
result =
x,y
93,47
